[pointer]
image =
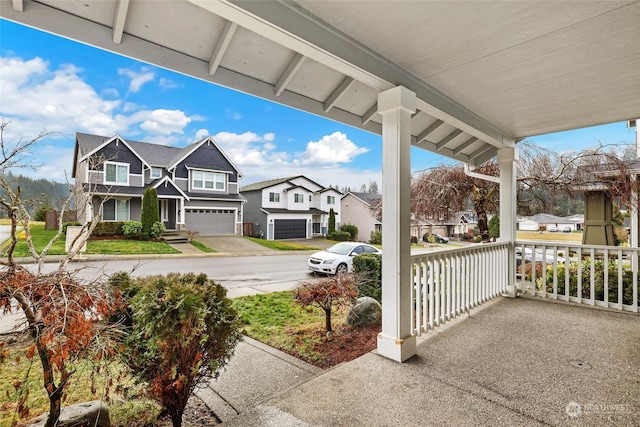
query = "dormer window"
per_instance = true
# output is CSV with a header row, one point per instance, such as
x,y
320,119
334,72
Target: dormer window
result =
x,y
298,198
208,181
116,173
331,200
156,172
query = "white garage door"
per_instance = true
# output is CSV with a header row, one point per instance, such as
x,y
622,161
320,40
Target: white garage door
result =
x,y
210,222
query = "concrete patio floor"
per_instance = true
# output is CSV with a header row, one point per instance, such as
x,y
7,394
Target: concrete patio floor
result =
x,y
515,362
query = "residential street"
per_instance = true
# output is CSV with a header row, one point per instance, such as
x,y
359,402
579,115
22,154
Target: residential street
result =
x,y
231,272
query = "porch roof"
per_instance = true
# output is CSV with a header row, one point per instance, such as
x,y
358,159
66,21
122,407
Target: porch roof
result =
x,y
486,74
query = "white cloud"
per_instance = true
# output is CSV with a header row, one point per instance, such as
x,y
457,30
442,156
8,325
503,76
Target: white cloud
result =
x,y
250,149
167,84
138,78
163,122
201,133
59,100
36,98
331,149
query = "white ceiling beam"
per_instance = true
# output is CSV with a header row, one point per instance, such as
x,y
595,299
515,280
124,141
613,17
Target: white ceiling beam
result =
x,y
240,14
291,26
447,139
55,21
289,73
221,46
465,144
425,133
340,90
18,5
119,19
370,113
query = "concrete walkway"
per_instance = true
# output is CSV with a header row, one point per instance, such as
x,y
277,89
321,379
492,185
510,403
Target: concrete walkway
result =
x,y
517,362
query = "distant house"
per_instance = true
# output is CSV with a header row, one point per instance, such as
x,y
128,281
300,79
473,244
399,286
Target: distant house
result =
x,y
360,210
197,185
544,221
290,208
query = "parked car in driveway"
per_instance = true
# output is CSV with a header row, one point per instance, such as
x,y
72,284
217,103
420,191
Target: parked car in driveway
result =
x,y
338,259
567,229
439,238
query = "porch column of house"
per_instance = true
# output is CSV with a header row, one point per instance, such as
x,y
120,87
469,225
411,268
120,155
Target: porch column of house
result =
x,y
507,158
396,340
181,213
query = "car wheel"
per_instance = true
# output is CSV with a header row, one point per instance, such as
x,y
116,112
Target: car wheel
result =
x,y
342,269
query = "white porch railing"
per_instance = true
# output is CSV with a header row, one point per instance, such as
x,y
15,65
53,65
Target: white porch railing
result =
x,y
601,276
449,283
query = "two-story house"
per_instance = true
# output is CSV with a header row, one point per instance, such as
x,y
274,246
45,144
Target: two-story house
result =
x,y
290,208
363,211
197,185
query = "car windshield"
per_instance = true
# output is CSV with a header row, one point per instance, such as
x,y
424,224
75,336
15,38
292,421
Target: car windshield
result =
x,y
340,249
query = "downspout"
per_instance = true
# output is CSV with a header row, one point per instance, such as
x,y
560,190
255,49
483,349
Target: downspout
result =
x,y
470,172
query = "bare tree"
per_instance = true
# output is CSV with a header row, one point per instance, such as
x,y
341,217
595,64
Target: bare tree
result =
x,y
61,311
543,177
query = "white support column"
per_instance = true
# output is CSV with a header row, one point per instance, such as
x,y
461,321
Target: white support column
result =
x,y
507,160
396,340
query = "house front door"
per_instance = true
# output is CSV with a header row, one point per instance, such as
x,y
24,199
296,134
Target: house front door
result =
x,y
167,213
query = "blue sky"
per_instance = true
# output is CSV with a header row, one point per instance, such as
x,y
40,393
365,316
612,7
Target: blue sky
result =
x,y
47,82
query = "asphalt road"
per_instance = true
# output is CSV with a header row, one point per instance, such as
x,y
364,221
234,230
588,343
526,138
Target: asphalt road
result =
x,y
231,272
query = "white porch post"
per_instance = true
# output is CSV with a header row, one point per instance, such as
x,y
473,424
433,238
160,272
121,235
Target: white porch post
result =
x,y
396,340
507,160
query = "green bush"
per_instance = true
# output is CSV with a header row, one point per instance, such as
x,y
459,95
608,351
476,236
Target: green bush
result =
x,y
332,221
598,273
340,236
67,224
376,238
157,229
494,227
351,229
132,229
150,211
108,228
368,270
183,331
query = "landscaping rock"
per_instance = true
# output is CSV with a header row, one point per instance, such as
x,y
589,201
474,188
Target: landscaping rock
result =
x,y
366,312
90,414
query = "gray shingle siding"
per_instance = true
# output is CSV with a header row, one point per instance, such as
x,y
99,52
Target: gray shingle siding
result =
x,y
253,213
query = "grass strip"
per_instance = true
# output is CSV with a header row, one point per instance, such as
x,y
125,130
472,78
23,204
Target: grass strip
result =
x,y
281,246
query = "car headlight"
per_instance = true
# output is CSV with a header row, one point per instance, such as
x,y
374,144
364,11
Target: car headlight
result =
x,y
328,261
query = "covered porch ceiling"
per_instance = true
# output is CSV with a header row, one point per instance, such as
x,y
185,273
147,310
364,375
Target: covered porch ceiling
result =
x,y
486,74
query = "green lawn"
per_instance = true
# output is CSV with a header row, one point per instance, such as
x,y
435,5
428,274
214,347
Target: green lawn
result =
x,y
125,407
281,246
575,237
41,238
202,246
276,320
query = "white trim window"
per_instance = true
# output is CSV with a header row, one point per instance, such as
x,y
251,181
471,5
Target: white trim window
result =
x,y
274,197
116,173
331,200
209,181
298,198
156,173
115,210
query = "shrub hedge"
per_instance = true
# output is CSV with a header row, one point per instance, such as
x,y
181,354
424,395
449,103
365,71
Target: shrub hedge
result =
x,y
368,269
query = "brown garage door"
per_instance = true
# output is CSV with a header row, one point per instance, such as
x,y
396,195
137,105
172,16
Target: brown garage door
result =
x,y
210,222
290,229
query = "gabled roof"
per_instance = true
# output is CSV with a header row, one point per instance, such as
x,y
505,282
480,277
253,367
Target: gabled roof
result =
x,y
186,151
151,154
106,141
543,218
167,180
366,198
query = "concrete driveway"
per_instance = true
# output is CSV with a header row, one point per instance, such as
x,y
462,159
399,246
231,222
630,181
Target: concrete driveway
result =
x,y
233,245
